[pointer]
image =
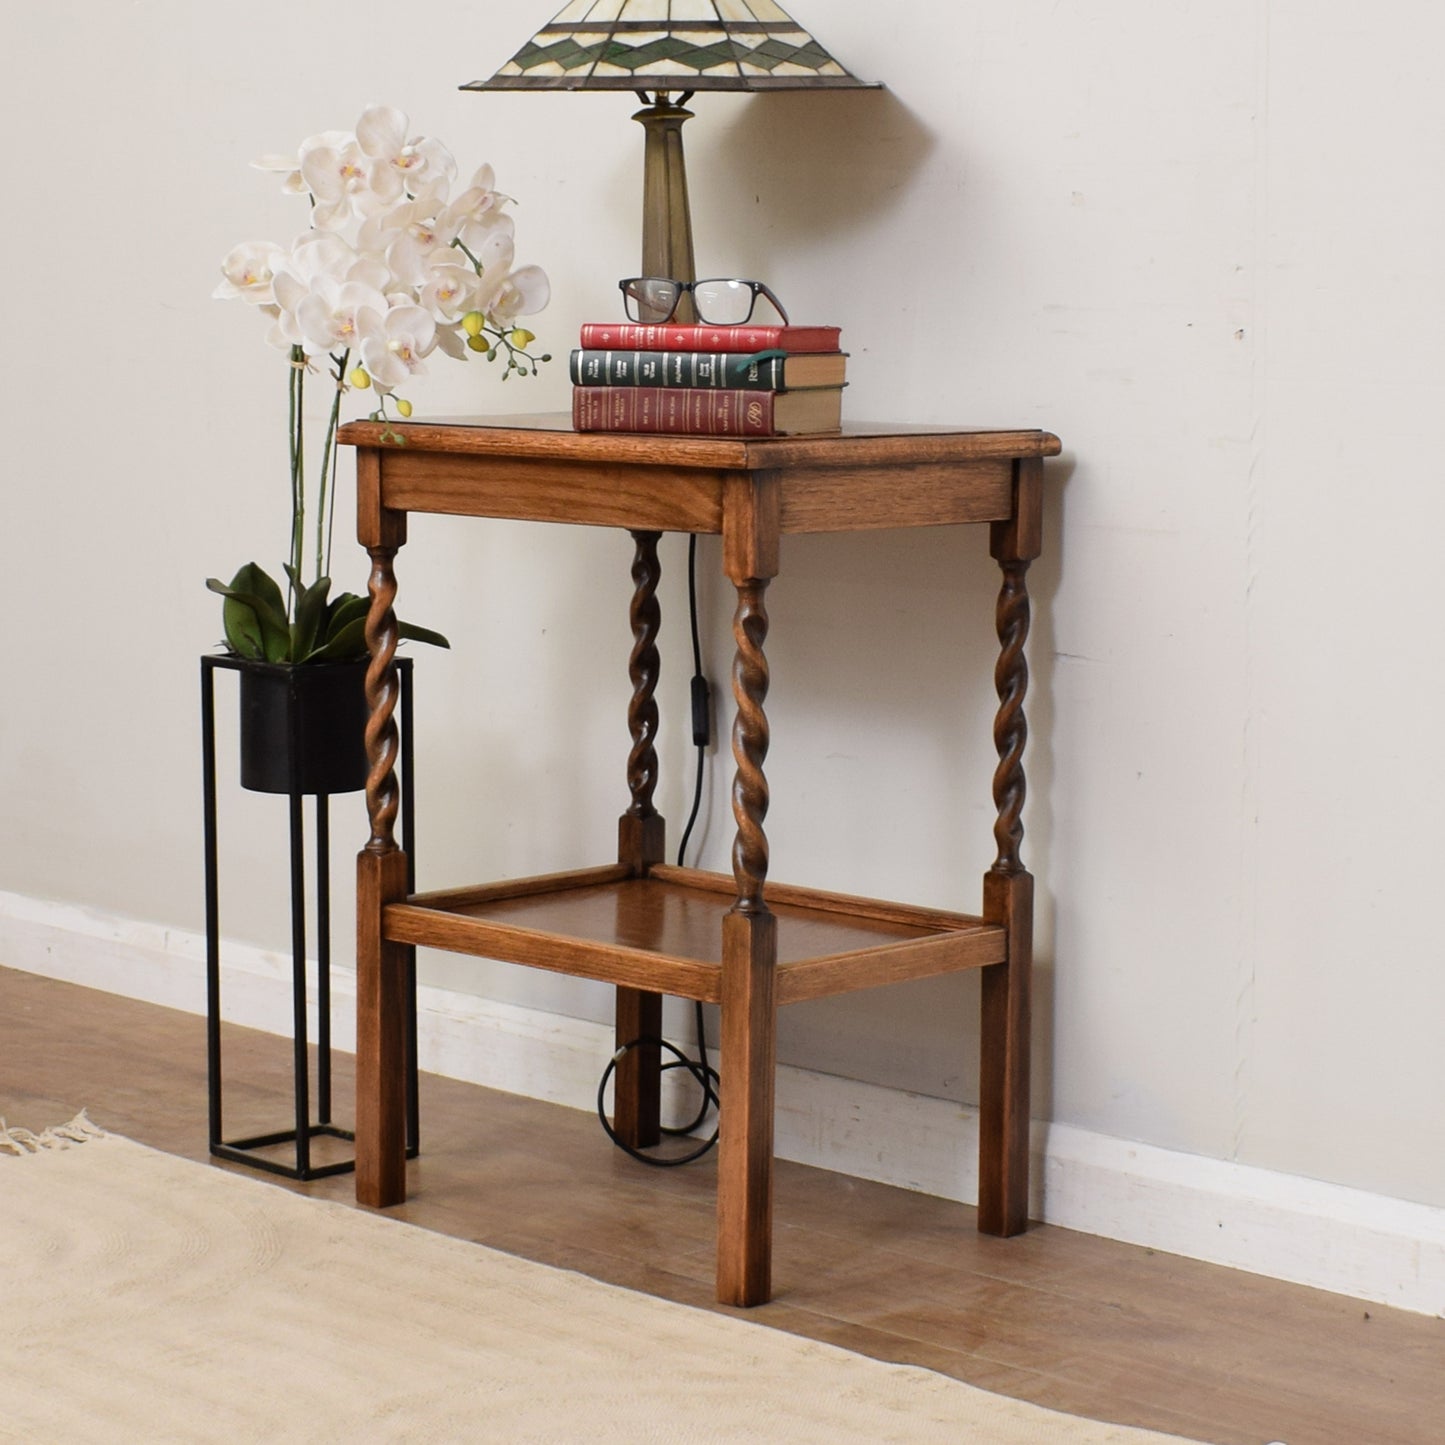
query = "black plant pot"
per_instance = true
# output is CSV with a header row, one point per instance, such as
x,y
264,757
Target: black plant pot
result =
x,y
328,700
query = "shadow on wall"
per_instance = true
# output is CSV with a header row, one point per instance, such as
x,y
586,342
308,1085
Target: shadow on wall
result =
x,y
807,166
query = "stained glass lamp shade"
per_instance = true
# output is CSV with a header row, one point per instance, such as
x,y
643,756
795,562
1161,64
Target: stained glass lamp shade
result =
x,y
669,47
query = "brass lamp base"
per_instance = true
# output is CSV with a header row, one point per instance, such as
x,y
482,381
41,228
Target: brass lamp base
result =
x,y
666,217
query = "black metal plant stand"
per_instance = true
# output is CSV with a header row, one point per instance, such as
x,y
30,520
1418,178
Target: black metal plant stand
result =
x,y
243,1151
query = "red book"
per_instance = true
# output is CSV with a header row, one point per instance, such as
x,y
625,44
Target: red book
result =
x,y
635,336
721,412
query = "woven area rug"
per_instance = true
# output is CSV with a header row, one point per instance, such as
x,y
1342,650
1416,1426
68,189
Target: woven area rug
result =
x,y
147,1298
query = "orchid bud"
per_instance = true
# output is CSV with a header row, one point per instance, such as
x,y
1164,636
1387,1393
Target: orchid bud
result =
x,y
472,323
477,343
359,378
522,337
403,406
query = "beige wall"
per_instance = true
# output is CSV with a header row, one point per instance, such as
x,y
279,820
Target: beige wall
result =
x,y
1198,242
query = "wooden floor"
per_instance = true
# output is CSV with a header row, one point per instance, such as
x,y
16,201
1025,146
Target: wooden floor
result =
x,y
1063,1319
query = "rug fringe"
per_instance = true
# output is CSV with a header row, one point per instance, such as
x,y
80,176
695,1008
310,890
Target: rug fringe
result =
x,y
20,1142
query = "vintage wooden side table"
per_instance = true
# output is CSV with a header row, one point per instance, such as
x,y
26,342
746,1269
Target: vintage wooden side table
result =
x,y
652,929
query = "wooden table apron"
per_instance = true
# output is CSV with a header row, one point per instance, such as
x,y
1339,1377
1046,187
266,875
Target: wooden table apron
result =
x,y
652,929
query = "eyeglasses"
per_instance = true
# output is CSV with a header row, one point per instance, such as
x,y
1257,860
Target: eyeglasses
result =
x,y
721,301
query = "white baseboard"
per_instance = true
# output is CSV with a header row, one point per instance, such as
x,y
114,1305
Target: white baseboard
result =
x,y
1375,1248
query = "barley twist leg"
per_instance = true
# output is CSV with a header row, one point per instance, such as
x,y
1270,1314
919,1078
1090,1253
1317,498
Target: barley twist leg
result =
x,y
383,797
643,668
1010,729
750,746
637,1083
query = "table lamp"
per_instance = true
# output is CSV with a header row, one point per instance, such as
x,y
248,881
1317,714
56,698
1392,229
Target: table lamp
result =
x,y
667,48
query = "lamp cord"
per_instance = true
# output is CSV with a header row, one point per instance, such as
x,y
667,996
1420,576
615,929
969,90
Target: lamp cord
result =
x,y
701,1071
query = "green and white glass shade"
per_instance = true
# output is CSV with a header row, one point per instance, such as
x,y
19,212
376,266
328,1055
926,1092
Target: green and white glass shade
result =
x,y
670,47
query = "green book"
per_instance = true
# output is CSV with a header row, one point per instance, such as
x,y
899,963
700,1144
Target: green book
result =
x,y
722,370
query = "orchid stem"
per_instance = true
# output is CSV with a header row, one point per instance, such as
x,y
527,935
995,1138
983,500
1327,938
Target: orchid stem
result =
x,y
298,471
462,247
326,515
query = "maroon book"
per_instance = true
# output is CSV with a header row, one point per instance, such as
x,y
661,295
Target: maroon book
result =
x,y
721,412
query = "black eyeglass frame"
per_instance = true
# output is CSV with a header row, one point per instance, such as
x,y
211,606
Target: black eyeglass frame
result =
x,y
757,288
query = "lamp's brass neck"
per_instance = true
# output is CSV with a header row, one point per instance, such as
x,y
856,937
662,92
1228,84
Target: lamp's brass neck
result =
x,y
659,99
666,216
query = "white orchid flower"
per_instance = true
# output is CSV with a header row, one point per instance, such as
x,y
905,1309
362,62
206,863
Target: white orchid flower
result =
x,y
249,271
274,335
390,268
496,257
489,243
287,166
327,315
393,345
404,164
482,184
340,178
451,341
523,292
382,227
494,253
318,253
417,218
330,139
315,254
322,288
412,254
370,270
450,289
477,209
411,236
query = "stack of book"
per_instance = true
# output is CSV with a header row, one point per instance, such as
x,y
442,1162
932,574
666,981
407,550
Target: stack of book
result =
x,y
733,381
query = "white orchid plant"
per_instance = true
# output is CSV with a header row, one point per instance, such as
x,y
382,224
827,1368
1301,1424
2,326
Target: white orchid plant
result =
x,y
392,268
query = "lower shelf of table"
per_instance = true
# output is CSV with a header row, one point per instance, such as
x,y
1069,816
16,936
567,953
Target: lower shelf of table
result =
x,y
663,933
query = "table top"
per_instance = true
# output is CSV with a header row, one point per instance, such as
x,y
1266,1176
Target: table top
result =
x,y
538,468
551,434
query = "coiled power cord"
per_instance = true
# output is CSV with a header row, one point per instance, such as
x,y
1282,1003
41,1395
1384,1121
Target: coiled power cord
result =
x,y
702,1072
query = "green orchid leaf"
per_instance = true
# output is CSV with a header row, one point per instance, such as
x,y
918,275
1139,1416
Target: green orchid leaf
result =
x,y
343,611
257,626
412,633
342,645
254,615
243,629
258,581
310,616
